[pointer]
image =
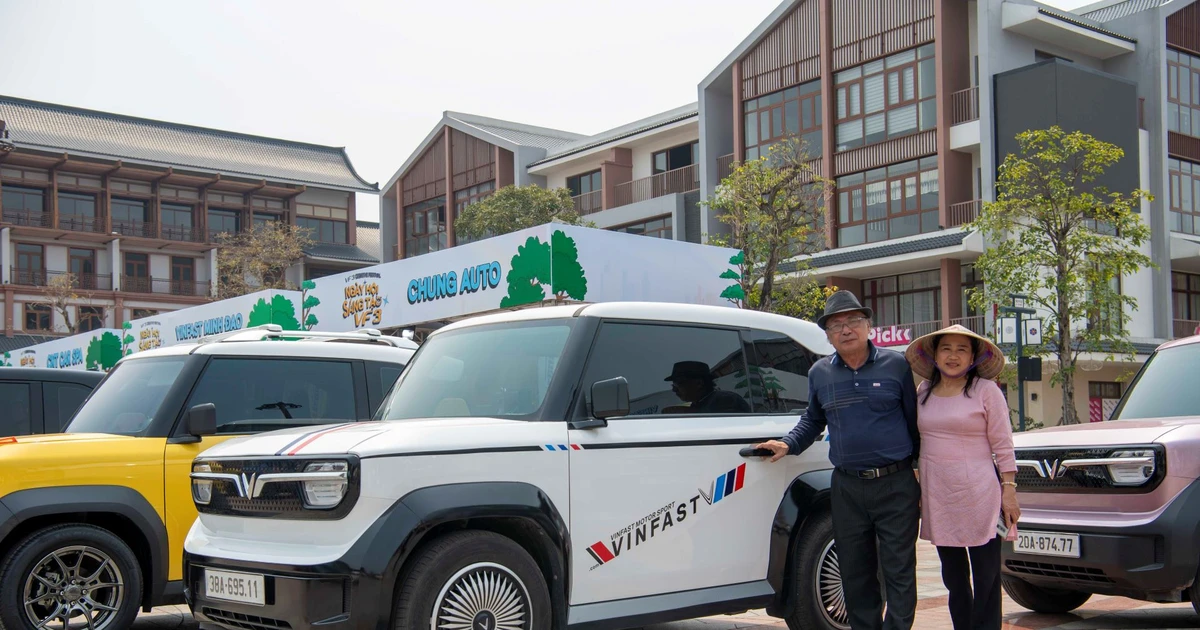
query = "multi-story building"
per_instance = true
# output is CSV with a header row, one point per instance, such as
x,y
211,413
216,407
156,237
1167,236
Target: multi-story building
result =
x,y
130,208
907,107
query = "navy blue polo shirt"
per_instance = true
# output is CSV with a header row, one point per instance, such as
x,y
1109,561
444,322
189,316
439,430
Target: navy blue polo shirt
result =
x,y
871,412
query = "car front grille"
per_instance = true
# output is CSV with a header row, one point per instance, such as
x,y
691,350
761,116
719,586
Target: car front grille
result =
x,y
1062,571
244,622
1047,475
277,500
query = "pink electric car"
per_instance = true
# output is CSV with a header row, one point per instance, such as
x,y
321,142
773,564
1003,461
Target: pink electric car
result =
x,y
1114,507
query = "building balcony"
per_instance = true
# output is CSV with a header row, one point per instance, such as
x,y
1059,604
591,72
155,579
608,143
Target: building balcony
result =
x,y
141,229
25,218
95,225
964,213
159,286
182,234
1184,328
42,278
680,180
964,120
724,166
588,203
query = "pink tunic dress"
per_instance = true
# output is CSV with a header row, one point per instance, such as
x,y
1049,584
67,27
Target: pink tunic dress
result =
x,y
960,491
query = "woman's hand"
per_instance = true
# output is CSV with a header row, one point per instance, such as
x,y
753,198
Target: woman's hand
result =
x,y
1009,506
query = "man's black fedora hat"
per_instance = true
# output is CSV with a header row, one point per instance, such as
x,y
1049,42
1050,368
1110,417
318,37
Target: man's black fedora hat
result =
x,y
842,302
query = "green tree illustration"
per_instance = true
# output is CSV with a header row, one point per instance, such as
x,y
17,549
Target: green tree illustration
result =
x,y
307,302
567,276
6,361
103,352
530,270
734,292
127,339
279,310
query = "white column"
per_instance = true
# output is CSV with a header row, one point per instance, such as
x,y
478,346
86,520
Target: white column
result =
x,y
1140,285
211,257
114,257
6,256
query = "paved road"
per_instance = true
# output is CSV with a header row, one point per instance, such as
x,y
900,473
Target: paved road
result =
x,y
1099,613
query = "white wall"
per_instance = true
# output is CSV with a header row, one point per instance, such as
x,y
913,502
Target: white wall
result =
x,y
643,162
320,197
1140,286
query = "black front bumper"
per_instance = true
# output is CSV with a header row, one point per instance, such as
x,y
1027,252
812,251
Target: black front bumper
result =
x,y
331,597
1156,561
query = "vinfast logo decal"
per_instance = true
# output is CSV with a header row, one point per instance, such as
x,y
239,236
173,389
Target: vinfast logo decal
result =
x,y
659,521
562,447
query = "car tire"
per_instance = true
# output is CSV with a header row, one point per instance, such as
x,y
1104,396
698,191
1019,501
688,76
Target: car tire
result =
x,y
816,580
438,582
1041,599
80,569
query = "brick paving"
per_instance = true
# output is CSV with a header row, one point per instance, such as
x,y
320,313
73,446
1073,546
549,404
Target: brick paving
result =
x,y
1099,613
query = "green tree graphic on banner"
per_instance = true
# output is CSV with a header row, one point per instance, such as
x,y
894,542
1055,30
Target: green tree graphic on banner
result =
x,y
537,264
734,292
307,302
6,361
127,340
103,352
280,311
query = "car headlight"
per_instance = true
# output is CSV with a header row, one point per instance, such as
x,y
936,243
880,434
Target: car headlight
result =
x,y
330,489
1135,472
202,488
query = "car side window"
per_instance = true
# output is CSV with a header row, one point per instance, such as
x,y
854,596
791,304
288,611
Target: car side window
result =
x,y
14,400
778,372
253,395
387,377
672,369
61,401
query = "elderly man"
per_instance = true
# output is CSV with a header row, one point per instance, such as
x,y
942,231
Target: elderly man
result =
x,y
867,398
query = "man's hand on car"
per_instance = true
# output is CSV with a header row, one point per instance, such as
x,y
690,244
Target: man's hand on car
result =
x,y
775,446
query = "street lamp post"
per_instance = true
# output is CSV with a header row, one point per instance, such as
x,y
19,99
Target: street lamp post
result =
x,y
1020,311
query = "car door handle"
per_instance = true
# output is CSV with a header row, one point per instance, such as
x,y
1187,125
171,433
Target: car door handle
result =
x,y
750,451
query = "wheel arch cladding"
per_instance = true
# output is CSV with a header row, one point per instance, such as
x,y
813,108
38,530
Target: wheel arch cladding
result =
x,y
520,511
807,495
121,510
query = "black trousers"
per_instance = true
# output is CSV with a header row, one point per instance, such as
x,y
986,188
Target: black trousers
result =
x,y
977,608
875,522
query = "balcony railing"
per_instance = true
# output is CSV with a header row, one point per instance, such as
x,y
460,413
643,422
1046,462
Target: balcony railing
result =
x,y
138,284
679,180
588,203
78,223
965,212
79,281
976,324
1184,328
964,106
182,234
724,166
27,218
27,277
133,228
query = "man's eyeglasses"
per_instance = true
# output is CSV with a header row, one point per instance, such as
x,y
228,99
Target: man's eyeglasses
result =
x,y
852,322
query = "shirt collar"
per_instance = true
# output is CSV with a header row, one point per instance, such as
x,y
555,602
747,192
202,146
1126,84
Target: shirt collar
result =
x,y
872,354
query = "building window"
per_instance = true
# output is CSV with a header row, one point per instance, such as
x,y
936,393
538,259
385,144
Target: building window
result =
x,y
681,156
323,230
183,275
658,228
265,218
795,111
425,227
313,273
891,202
1185,296
77,212
223,221
22,206
137,273
90,318
583,184
177,222
887,98
1185,196
82,263
466,197
37,317
128,212
971,280
910,298
31,265
142,313
1183,93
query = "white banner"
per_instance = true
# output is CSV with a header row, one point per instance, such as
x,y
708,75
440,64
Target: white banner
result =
x,y
214,318
97,350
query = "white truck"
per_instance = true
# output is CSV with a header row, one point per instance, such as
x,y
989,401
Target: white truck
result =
x,y
577,466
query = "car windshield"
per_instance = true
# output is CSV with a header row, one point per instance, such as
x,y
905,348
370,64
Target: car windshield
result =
x,y
129,398
497,370
1164,388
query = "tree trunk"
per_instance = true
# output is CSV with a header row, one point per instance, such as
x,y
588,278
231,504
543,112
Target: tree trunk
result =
x,y
1066,363
1068,390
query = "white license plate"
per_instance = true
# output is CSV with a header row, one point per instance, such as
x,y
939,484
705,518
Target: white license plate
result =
x,y
244,588
1047,544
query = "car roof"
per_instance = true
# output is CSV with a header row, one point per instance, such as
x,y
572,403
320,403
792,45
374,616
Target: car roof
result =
x,y
1174,343
81,377
803,331
294,349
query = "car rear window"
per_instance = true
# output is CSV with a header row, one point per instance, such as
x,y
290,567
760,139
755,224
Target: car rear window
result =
x,y
1165,387
253,395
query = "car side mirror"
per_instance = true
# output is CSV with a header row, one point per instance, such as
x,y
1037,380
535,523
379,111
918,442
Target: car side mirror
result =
x,y
610,398
200,420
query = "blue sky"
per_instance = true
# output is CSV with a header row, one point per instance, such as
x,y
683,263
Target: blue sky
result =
x,y
372,76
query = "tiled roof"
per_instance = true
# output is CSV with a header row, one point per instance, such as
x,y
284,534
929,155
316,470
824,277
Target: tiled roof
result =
x,y
16,342
833,257
518,133
1109,11
340,251
367,234
58,128
624,131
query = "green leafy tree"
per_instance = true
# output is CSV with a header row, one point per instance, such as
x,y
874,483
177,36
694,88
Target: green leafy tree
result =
x,y
103,352
127,339
774,207
568,279
530,269
307,302
515,208
1064,241
279,310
